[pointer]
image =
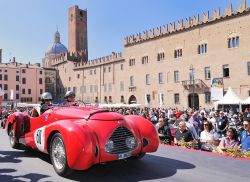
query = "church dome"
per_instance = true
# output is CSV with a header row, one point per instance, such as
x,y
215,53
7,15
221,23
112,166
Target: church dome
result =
x,y
57,48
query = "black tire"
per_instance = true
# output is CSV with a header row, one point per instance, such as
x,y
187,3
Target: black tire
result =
x,y
13,141
59,161
138,156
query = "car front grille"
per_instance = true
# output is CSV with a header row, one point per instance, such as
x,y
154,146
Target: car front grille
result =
x,y
119,138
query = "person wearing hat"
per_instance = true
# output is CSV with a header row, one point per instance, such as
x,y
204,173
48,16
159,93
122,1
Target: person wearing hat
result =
x,y
222,124
70,98
46,104
245,135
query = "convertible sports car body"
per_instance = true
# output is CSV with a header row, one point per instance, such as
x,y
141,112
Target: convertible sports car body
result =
x,y
79,137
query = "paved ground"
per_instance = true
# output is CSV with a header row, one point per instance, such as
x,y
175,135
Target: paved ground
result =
x,y
167,164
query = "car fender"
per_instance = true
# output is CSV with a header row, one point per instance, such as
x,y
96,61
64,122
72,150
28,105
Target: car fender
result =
x,y
16,120
147,130
80,143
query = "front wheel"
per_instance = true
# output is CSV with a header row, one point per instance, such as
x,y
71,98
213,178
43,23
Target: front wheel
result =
x,y
58,155
13,141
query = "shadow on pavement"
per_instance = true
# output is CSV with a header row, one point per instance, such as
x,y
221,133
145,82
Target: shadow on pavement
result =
x,y
13,156
5,176
149,168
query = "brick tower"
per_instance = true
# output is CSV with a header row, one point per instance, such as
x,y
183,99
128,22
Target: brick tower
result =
x,y
77,30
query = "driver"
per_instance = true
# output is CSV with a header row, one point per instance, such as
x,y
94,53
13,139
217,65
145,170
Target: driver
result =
x,y
70,98
46,98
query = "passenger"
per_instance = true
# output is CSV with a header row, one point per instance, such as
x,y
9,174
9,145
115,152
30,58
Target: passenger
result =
x,y
46,104
70,99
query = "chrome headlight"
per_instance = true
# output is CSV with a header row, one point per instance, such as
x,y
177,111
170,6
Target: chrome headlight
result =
x,y
131,142
109,146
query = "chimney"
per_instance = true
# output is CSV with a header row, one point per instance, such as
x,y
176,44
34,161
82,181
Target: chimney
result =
x,y
0,55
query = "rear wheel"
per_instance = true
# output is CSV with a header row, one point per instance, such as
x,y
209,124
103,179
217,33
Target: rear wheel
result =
x,y
58,155
13,141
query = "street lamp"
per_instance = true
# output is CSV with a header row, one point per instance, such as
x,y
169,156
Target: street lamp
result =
x,y
192,77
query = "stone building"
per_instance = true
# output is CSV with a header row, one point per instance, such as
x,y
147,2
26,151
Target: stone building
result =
x,y
171,65
21,82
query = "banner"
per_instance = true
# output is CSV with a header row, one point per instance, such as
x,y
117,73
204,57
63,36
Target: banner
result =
x,y
1,96
216,88
11,94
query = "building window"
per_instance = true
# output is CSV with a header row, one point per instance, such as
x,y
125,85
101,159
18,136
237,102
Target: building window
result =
x,y
110,87
69,78
1,77
17,78
160,76
78,76
109,68
132,62
5,96
177,53
17,96
248,68
121,85
225,70
160,56
40,81
41,91
23,70
105,87
248,92
23,91
148,79
202,48
75,90
41,72
121,66
5,87
6,77
90,72
176,98
131,83
122,99
17,87
176,76
95,71
29,91
233,42
144,60
207,73
110,99
207,97
23,80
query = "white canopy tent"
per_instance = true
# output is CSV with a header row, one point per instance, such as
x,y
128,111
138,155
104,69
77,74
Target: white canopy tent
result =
x,y
230,98
246,102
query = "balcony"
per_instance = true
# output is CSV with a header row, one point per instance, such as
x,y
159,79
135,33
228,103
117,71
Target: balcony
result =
x,y
198,83
132,88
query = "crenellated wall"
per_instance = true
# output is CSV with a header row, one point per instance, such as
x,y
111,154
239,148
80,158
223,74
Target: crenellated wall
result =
x,y
189,23
70,56
99,61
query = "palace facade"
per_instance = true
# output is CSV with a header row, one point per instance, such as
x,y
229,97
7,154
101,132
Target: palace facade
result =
x,y
168,66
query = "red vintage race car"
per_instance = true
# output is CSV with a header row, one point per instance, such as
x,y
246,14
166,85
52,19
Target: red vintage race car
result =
x,y
77,138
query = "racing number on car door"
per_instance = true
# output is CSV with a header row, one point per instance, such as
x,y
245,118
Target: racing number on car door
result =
x,y
39,138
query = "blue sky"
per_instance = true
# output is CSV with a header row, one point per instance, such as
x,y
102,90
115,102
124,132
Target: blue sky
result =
x,y
27,27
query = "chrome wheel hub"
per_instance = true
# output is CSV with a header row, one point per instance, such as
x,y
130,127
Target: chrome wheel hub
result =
x,y
58,153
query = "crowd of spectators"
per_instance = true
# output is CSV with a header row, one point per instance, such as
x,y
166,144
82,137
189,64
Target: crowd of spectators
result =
x,y
205,129
202,128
